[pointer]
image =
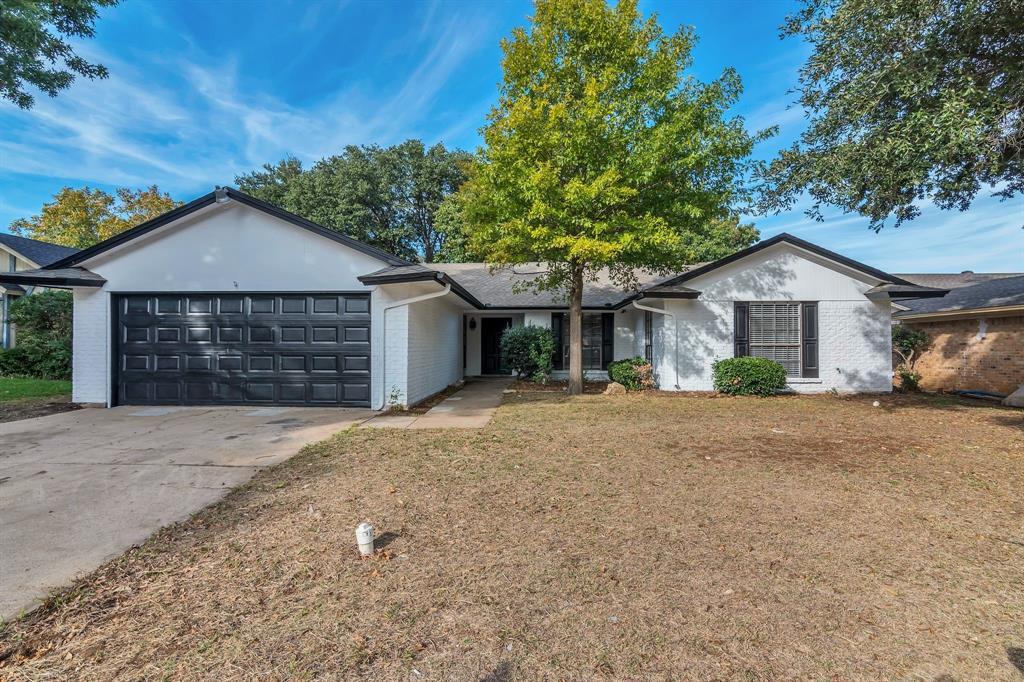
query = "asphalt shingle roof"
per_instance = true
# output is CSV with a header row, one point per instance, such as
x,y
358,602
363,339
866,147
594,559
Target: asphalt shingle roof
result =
x,y
41,253
994,293
955,280
506,288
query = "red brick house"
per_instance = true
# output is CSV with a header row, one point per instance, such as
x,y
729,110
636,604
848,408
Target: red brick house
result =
x,y
977,331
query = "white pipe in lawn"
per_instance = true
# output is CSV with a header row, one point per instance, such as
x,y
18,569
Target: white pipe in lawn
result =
x,y
364,538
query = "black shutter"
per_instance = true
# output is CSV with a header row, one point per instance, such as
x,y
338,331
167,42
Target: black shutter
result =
x,y
558,331
740,327
809,340
607,339
649,337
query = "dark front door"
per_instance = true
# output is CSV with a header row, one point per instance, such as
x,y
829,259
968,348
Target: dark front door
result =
x,y
243,348
490,339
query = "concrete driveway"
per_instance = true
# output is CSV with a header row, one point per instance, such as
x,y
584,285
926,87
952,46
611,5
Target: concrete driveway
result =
x,y
80,487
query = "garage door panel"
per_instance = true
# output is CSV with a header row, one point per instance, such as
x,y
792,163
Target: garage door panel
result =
x,y
243,348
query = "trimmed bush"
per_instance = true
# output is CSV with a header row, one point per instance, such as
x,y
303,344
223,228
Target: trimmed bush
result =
x,y
636,374
749,376
528,351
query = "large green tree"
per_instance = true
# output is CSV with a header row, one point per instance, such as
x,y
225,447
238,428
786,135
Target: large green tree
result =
x,y
603,153
385,196
81,217
271,182
908,100
34,47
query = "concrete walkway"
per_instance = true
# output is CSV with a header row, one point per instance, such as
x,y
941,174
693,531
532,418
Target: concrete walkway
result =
x,y
469,408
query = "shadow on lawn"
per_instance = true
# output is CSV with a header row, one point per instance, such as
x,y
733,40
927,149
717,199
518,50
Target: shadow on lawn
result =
x,y
1016,656
502,673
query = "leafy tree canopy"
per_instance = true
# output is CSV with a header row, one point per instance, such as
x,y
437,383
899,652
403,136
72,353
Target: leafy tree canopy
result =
x,y
385,196
601,152
908,100
34,49
82,217
272,182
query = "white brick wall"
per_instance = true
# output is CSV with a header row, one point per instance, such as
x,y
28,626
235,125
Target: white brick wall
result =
x,y
434,347
90,360
854,332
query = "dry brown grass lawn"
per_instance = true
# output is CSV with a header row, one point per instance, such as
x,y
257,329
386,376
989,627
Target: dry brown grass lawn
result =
x,y
634,537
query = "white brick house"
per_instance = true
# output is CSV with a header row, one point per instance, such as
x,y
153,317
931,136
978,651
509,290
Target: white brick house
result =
x,y
229,300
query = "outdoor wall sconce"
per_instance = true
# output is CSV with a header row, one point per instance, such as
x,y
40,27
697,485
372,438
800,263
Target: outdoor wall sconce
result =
x,y
472,323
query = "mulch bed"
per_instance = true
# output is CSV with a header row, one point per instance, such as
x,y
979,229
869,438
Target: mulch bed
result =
x,y
13,410
527,386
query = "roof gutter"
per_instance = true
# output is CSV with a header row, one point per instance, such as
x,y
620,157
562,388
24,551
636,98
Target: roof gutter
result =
x,y
428,276
997,311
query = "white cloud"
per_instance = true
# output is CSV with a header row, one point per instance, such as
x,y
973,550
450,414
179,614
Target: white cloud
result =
x,y
988,237
186,121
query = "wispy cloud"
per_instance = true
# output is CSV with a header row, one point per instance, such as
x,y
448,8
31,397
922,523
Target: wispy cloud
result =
x,y
987,237
187,121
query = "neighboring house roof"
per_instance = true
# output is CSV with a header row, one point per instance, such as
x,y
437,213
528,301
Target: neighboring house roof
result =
x,y
998,293
957,279
40,253
221,195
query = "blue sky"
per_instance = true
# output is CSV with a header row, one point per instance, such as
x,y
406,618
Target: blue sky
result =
x,y
200,91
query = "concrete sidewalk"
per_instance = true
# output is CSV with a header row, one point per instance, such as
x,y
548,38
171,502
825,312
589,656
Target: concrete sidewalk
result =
x,y
469,408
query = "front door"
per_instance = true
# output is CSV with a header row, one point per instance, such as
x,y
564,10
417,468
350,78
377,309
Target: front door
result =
x,y
490,338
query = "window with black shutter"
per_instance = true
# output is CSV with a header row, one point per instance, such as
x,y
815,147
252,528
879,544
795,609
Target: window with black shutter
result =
x,y
785,332
598,340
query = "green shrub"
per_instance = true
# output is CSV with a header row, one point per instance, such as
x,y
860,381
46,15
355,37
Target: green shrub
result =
x,y
910,381
43,342
528,351
39,356
636,374
44,313
749,376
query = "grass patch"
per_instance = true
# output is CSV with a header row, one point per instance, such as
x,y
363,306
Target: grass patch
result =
x,y
628,537
15,388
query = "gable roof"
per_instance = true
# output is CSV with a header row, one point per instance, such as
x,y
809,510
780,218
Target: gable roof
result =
x,y
222,195
1004,292
795,241
40,253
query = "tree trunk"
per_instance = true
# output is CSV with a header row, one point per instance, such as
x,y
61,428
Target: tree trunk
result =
x,y
576,330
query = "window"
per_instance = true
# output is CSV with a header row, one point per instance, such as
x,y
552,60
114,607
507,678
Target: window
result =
x,y
597,339
774,330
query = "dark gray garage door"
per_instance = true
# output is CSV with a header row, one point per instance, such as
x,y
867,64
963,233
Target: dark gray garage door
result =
x,y
239,349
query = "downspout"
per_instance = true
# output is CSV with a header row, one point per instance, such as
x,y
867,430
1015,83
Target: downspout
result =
x,y
384,334
675,335
6,323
